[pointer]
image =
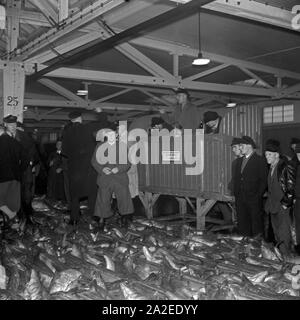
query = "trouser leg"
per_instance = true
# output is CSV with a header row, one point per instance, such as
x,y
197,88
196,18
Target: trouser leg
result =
x,y
125,205
255,211
243,218
67,187
281,226
103,202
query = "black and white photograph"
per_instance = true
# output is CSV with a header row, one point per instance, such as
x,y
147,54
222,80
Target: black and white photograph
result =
x,y
149,150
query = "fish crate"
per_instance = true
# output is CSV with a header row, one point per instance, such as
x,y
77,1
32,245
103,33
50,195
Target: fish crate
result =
x,y
211,185
208,181
172,178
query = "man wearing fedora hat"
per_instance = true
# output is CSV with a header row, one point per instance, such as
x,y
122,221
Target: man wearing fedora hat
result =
x,y
185,114
281,184
249,187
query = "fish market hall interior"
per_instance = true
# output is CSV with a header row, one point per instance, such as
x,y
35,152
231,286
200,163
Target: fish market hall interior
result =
x,y
149,149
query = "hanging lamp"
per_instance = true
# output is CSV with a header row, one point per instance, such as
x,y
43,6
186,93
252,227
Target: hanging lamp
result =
x,y
200,60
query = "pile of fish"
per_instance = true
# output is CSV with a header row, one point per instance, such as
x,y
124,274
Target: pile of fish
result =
x,y
49,260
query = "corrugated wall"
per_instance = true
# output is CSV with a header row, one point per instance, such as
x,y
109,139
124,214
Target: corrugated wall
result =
x,y
243,120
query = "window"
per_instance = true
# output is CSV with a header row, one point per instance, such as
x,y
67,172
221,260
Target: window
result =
x,y
279,114
53,137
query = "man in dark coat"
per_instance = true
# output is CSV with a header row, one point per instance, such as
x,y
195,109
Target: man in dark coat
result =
x,y
55,186
31,155
249,187
74,147
185,114
12,163
281,183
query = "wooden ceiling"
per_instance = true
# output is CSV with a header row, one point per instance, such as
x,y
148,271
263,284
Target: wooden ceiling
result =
x,y
131,54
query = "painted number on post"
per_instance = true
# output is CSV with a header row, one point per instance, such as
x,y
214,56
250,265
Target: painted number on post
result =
x,y
12,101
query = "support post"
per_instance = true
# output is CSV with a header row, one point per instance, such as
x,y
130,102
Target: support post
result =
x,y
148,199
13,23
182,206
13,90
202,209
175,65
63,9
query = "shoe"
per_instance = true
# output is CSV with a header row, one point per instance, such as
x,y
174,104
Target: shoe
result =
x,y
96,219
15,223
125,220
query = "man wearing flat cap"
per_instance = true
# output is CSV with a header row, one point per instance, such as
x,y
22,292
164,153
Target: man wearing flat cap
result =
x,y
212,122
250,185
281,184
185,114
10,122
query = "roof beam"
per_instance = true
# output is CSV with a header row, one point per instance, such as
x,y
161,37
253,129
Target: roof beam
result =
x,y
13,25
104,105
158,99
47,10
255,76
75,22
203,101
253,10
40,116
188,51
91,32
135,55
146,26
89,75
288,91
30,17
96,102
62,91
207,72
63,9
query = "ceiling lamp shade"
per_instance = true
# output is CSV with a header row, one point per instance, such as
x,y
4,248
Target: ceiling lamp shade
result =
x,y
84,89
82,92
231,104
200,60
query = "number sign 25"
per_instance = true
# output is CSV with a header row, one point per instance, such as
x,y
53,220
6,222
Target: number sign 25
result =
x,y
12,101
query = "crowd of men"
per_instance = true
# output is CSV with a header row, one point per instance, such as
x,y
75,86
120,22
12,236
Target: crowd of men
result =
x,y
267,188
73,172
